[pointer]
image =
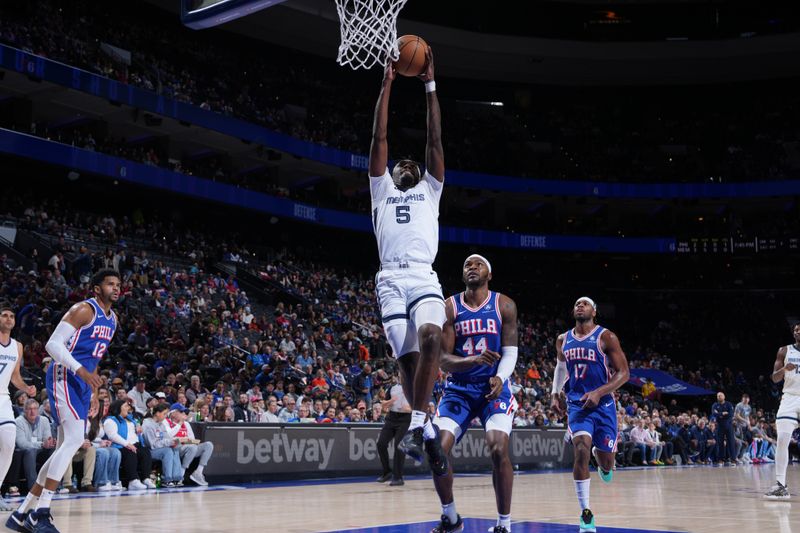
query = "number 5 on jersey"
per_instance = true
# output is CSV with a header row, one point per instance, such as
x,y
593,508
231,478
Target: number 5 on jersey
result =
x,y
402,214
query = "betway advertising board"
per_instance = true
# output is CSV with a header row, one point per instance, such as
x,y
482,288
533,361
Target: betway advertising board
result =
x,y
264,452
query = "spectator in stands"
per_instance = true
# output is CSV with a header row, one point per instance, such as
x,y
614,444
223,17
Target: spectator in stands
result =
x,y
20,397
705,441
658,447
743,411
288,413
642,442
138,341
107,458
163,447
304,415
35,442
271,414
241,411
362,384
189,447
136,460
196,390
140,396
666,441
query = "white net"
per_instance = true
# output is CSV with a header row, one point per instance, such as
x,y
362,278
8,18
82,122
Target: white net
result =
x,y
369,32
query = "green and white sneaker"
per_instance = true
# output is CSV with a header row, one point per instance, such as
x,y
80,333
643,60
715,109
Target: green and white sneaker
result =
x,y
778,492
586,524
605,477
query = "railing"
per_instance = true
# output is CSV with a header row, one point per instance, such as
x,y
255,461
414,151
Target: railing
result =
x,y
23,145
87,82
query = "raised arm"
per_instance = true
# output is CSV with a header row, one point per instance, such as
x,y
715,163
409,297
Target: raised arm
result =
x,y
379,151
434,153
779,368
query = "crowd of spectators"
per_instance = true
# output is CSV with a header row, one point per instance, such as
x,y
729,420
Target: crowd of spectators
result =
x,y
189,338
739,133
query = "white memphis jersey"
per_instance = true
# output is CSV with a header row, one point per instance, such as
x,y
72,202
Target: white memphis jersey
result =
x,y
9,354
791,380
406,223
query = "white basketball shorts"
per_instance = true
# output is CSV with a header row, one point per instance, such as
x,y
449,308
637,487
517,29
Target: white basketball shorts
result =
x,y
789,409
400,293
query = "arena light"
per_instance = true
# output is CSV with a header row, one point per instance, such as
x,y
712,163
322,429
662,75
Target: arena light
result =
x,y
479,102
199,14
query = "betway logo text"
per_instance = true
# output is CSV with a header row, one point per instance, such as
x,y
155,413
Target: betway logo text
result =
x,y
280,448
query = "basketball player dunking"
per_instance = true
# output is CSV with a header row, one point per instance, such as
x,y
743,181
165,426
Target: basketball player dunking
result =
x,y
592,364
786,368
77,345
10,360
405,216
480,323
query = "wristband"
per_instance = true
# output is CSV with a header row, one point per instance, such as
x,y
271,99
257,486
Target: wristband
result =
x,y
430,86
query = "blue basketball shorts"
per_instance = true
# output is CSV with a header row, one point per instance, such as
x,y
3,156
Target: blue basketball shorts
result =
x,y
463,402
599,423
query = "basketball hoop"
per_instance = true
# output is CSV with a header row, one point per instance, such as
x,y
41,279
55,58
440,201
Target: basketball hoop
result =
x,y
369,32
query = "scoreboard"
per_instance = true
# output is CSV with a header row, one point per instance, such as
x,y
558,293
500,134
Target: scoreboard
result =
x,y
737,245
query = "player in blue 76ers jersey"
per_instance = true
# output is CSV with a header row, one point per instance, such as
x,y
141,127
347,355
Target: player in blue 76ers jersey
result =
x,y
480,323
593,365
77,345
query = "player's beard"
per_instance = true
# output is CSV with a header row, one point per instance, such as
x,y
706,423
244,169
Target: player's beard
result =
x,y
583,319
407,181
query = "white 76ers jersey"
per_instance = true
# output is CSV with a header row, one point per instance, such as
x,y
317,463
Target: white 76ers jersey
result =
x,y
791,380
406,223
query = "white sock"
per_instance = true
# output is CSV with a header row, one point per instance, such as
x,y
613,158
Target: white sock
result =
x,y
199,470
28,503
504,520
782,457
428,433
417,420
44,499
582,491
449,511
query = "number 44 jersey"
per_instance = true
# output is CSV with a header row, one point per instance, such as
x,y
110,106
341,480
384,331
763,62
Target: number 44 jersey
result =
x,y
477,330
406,223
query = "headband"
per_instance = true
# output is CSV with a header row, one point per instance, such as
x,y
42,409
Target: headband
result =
x,y
479,256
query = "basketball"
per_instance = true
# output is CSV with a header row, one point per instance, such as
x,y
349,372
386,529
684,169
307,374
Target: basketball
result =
x,y
412,61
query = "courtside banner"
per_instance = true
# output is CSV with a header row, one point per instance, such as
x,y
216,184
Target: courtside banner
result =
x,y
271,451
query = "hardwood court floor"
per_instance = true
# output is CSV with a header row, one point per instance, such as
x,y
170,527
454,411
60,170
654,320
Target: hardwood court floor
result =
x,y
689,499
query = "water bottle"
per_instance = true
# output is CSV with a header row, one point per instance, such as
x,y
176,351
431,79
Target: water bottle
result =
x,y
158,481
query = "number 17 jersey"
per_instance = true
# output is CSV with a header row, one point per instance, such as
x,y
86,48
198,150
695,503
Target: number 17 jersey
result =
x,y
406,223
587,364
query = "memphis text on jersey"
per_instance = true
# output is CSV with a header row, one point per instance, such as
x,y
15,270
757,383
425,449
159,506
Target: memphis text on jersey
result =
x,y
413,197
580,354
475,326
